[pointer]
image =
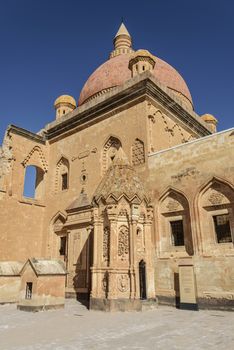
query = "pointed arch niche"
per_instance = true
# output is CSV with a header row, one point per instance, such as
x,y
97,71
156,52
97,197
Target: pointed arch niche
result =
x,y
110,149
216,215
58,244
35,167
62,175
175,224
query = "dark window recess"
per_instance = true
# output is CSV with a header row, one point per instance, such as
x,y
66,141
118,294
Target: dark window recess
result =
x,y
177,232
64,182
222,228
63,242
28,293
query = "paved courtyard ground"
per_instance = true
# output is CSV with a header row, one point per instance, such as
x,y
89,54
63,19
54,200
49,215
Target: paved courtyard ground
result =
x,y
77,328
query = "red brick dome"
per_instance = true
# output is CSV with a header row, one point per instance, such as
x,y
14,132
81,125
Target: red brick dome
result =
x,y
115,72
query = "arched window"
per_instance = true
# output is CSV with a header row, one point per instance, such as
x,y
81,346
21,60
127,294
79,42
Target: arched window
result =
x,y
216,214
59,241
175,224
109,152
33,182
62,175
138,152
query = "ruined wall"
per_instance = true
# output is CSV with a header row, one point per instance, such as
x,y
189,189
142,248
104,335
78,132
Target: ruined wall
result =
x,y
21,218
6,159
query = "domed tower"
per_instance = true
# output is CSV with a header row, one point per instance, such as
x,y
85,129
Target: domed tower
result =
x,y
141,61
63,105
211,122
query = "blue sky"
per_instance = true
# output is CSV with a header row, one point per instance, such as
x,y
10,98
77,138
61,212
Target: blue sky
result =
x,y
50,47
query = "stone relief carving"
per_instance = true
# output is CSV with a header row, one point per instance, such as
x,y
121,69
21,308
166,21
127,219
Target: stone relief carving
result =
x,y
140,243
123,212
123,243
185,173
106,244
105,282
41,156
216,198
138,152
172,205
123,283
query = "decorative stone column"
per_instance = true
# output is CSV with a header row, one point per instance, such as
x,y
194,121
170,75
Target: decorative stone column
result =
x,y
149,254
96,276
112,216
134,275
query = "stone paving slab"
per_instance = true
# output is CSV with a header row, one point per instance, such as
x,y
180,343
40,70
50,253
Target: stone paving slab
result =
x,y
77,328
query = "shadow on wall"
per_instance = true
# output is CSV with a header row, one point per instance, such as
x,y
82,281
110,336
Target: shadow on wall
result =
x,y
177,290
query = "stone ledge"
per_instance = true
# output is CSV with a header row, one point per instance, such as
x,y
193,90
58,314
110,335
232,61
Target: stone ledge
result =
x,y
36,308
115,304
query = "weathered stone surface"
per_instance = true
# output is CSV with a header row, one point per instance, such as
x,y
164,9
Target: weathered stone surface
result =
x,y
106,216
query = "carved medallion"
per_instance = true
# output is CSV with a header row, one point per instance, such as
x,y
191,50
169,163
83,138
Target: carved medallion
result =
x,y
123,283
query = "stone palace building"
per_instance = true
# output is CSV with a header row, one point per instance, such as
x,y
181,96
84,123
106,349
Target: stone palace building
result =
x,y
131,188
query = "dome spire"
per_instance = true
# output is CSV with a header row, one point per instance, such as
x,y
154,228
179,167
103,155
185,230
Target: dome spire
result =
x,y
122,42
123,31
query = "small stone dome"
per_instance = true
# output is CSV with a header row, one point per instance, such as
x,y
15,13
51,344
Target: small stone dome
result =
x,y
64,104
65,99
142,53
211,122
209,118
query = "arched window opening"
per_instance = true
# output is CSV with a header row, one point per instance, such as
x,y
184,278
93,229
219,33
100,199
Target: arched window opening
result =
x,y
59,238
216,211
64,181
175,224
138,152
109,152
177,232
222,228
62,175
33,182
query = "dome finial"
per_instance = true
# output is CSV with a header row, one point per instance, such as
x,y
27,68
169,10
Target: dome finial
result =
x,y
122,30
122,42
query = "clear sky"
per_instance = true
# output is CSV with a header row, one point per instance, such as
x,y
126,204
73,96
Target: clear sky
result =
x,y
50,47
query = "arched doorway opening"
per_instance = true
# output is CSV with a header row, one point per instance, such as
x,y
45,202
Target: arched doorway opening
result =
x,y
142,279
